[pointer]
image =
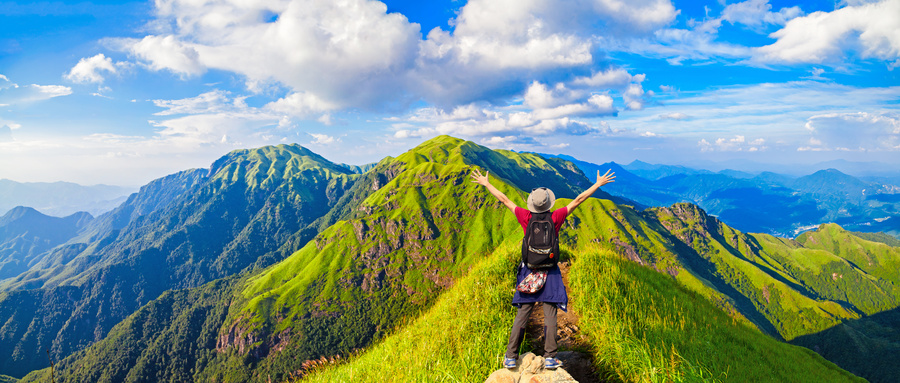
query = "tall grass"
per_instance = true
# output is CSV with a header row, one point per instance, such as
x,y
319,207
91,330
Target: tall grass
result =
x,y
645,327
461,338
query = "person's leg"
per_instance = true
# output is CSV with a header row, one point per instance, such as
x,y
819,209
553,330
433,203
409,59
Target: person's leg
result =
x,y
518,330
549,330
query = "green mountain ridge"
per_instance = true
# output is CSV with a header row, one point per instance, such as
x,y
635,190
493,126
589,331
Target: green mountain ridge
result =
x,y
257,202
413,232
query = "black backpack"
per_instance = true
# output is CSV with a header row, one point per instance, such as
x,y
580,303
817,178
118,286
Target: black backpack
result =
x,y
540,248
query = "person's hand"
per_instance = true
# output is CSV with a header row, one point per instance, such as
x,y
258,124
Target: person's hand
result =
x,y
480,179
606,178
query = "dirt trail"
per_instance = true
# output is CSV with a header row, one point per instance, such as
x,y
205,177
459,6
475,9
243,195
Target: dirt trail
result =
x,y
569,339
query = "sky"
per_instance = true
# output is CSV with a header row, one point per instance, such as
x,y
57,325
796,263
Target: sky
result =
x,y
120,93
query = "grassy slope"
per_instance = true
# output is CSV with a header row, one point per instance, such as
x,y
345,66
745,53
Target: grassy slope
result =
x,y
413,237
642,326
785,288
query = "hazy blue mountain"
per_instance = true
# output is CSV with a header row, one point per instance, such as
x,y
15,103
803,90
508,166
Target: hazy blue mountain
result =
x,y
774,179
249,210
768,202
654,172
359,169
61,199
26,234
737,174
859,169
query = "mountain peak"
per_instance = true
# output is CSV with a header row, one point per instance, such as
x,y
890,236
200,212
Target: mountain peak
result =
x,y
260,166
20,211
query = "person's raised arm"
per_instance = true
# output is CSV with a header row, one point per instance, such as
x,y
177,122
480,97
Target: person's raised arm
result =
x,y
483,181
601,180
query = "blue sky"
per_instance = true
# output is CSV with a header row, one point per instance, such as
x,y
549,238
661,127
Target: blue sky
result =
x,y
125,92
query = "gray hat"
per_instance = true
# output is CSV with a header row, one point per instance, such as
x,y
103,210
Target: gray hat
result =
x,y
541,200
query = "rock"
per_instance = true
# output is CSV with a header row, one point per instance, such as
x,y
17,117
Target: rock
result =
x,y
530,369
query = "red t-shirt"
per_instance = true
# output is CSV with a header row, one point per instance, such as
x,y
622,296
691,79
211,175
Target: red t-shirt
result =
x,y
558,217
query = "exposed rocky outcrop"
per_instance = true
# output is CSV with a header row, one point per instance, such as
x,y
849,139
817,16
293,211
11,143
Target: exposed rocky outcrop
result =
x,y
530,369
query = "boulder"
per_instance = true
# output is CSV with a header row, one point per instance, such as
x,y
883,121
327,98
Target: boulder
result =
x,y
530,369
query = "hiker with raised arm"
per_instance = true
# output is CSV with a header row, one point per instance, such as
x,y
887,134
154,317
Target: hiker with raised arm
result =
x,y
539,278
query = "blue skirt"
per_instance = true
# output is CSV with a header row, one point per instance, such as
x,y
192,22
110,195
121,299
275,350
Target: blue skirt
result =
x,y
554,290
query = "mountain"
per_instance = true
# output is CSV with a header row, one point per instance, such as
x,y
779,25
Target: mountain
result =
x,y
655,172
250,209
359,169
25,234
403,242
61,199
414,259
767,202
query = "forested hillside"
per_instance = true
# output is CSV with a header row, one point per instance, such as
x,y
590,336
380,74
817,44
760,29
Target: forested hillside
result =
x,y
250,209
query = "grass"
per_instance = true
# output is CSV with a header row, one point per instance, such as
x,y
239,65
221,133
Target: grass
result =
x,y
461,338
640,326
645,327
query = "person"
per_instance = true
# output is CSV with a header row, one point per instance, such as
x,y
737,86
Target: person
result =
x,y
553,295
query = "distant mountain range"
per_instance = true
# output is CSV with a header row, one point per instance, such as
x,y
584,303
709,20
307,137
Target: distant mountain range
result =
x,y
767,202
274,258
25,234
60,199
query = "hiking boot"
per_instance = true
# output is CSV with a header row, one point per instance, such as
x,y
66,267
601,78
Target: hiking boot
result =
x,y
551,363
509,363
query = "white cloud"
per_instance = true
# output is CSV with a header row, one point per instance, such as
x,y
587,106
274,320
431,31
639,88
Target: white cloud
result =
x,y
700,41
13,94
210,102
166,52
679,45
737,143
771,117
757,13
88,69
613,78
301,104
868,30
323,139
674,116
860,131
353,54
217,117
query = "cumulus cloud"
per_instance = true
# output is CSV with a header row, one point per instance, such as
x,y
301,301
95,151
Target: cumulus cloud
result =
x,y
301,104
218,117
355,55
869,132
868,30
166,52
323,139
757,13
88,70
